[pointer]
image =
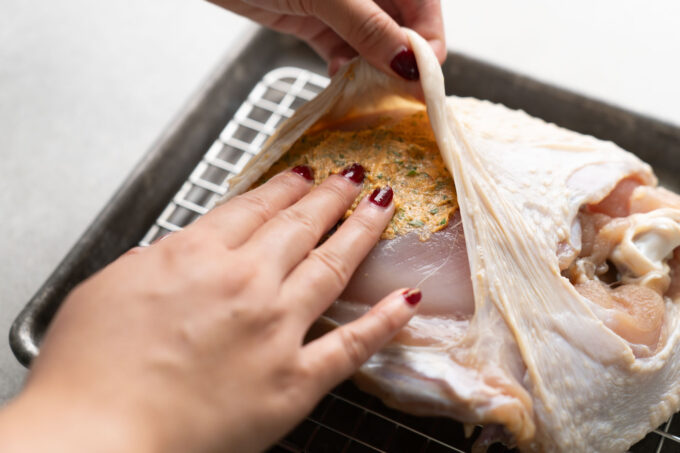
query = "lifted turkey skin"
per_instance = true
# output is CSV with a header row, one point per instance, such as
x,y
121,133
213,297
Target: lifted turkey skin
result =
x,y
521,183
549,350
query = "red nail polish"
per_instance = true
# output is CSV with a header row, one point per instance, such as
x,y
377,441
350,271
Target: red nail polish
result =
x,y
304,171
354,173
382,197
404,64
412,296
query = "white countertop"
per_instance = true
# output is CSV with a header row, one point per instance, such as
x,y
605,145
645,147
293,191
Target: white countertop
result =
x,y
86,87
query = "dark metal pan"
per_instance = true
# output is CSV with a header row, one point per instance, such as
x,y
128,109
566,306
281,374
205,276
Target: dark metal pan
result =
x,y
126,218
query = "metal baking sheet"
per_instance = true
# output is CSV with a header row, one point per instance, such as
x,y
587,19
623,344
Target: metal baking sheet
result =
x,y
251,92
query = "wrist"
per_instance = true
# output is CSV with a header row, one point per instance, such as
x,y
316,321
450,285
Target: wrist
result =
x,y
42,420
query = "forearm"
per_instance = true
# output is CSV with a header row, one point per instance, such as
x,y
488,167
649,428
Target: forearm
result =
x,y
38,420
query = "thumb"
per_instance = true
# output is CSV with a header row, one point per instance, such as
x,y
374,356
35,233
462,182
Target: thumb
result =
x,y
339,353
371,32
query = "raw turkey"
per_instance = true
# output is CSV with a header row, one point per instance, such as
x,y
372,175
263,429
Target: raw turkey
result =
x,y
551,295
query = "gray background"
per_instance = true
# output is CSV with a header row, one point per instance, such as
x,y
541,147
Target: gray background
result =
x,y
87,86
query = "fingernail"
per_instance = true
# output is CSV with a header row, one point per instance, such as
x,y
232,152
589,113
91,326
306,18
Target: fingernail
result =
x,y
404,64
304,171
412,296
382,196
354,173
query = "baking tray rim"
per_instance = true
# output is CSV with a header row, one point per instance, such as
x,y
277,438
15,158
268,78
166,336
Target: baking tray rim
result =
x,y
22,333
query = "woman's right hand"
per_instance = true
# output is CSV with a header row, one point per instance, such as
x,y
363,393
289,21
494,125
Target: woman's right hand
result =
x,y
339,29
196,342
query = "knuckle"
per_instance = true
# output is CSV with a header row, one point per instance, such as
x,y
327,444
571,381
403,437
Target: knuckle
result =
x,y
288,182
306,371
237,278
297,386
300,218
318,34
386,323
336,193
367,225
371,31
269,321
355,347
258,206
275,314
302,7
334,264
289,371
296,7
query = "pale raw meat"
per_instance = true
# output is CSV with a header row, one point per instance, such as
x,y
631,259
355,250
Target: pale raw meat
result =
x,y
438,266
570,341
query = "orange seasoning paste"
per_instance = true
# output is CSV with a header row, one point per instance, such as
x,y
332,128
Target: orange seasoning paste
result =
x,y
402,154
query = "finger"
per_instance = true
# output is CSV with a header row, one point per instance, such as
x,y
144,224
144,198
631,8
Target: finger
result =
x,y
425,17
294,7
339,57
370,31
323,39
283,19
325,42
293,232
338,354
362,24
320,278
238,219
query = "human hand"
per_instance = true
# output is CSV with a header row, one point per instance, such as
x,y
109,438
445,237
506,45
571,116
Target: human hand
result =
x,y
338,29
196,342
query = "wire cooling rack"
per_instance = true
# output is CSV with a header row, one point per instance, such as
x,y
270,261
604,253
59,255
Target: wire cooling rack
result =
x,y
273,99
346,420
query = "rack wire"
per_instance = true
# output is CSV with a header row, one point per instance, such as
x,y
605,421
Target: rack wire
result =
x,y
271,101
346,420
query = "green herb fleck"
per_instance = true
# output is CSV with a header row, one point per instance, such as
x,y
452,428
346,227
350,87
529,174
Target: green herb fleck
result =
x,y
380,176
416,223
434,211
412,173
443,222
